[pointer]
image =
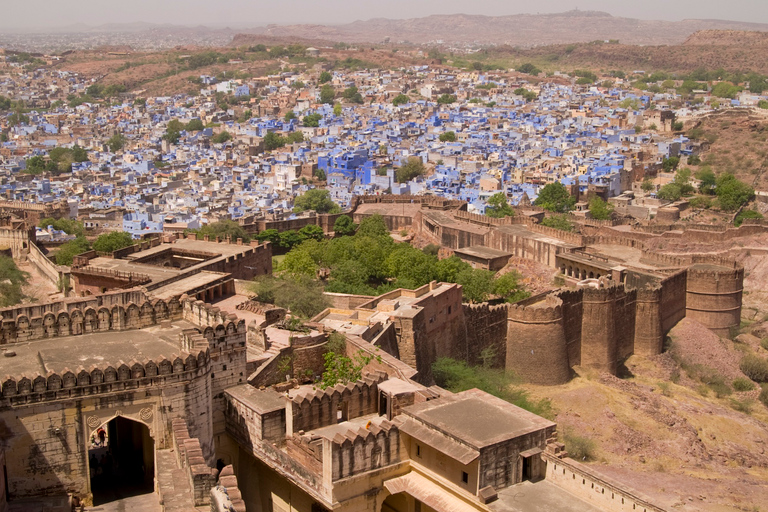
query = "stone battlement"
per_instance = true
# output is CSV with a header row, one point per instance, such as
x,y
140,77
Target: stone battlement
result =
x,y
549,310
110,379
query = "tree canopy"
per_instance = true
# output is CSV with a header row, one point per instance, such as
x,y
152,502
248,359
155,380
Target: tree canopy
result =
x,y
449,136
370,263
498,206
555,198
110,242
312,120
732,193
344,226
411,169
560,222
223,229
11,281
400,99
599,209
69,250
69,226
316,199
327,94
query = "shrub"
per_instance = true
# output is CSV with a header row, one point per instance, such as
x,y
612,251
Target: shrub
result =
x,y
744,406
579,447
763,397
742,384
764,343
754,367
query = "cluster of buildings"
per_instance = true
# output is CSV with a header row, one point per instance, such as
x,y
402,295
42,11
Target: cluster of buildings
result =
x,y
593,139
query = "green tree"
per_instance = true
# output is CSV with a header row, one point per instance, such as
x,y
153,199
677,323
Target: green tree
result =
x,y
560,222
273,141
327,94
221,137
312,232
554,197
446,99
344,226
400,99
325,76
194,125
476,284
337,109
647,186
289,115
352,94
312,120
340,369
671,163
79,154
498,206
223,229
746,214
35,165
732,193
11,281
69,226
449,136
316,199
526,94
302,296
670,192
116,142
707,180
411,169
599,209
69,250
269,235
529,69
509,287
110,242
373,226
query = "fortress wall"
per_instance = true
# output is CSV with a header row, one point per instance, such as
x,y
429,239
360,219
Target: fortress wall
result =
x,y
362,450
713,297
15,239
573,312
534,249
50,322
536,342
486,329
625,322
47,419
307,355
599,339
673,299
455,238
649,336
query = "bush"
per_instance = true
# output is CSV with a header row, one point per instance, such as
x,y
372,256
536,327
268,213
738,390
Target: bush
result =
x,y
302,297
764,343
579,447
742,384
744,406
754,367
763,397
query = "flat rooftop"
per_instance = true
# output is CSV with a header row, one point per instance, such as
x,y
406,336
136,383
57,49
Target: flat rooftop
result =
x,y
96,349
260,400
185,244
477,418
478,251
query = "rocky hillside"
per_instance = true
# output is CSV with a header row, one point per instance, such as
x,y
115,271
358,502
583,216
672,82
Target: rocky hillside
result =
x,y
523,30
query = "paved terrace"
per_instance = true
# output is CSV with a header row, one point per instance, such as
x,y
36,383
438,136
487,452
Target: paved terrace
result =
x,y
97,349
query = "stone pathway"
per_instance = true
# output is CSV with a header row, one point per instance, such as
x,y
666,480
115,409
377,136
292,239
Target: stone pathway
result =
x,y
141,503
173,483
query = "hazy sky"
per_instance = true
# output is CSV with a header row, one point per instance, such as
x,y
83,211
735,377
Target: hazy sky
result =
x,y
48,13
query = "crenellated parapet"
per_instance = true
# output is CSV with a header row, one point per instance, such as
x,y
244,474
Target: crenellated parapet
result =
x,y
363,449
714,295
319,408
112,378
189,457
547,311
58,320
204,314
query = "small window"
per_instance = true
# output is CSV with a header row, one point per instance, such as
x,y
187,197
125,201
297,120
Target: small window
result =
x,y
418,451
449,310
464,477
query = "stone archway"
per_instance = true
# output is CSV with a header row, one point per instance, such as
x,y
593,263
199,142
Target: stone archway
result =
x,y
121,460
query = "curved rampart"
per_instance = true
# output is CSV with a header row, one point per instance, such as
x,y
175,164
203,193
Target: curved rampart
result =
x,y
649,336
536,343
599,347
714,295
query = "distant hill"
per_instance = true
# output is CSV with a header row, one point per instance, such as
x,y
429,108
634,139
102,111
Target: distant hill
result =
x,y
522,30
